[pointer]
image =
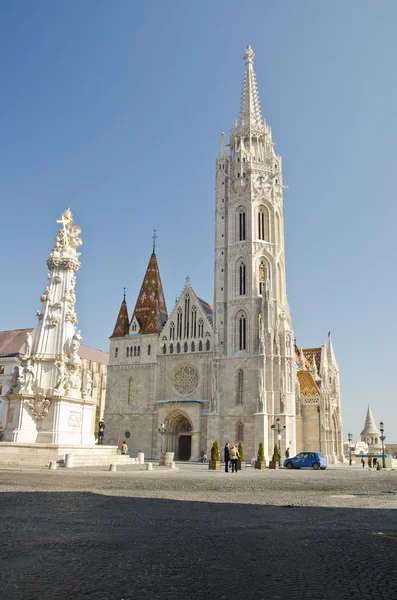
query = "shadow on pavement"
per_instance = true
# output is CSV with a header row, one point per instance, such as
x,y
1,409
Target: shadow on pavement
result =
x,y
85,545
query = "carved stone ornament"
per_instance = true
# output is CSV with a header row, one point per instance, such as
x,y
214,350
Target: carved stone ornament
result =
x,y
186,379
15,383
40,406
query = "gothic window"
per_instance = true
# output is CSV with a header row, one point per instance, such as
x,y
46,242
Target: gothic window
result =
x,y
261,225
116,352
133,328
139,351
200,346
128,352
200,328
172,330
241,225
178,348
185,347
207,345
242,280
194,322
240,432
240,387
193,346
149,348
164,349
187,315
130,390
171,348
134,350
262,277
179,324
242,332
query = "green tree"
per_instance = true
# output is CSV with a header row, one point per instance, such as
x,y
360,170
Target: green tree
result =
x,y
240,451
275,454
215,451
261,453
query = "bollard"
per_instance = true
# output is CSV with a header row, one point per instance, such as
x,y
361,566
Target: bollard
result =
x,y
149,467
172,465
69,461
113,468
133,461
141,458
53,465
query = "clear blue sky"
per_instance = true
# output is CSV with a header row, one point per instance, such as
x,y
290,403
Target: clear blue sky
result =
x,y
116,109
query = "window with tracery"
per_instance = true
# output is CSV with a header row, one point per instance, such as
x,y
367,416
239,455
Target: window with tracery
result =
x,y
200,328
179,324
128,352
242,282
240,432
185,347
242,333
164,349
178,348
194,322
200,346
171,348
241,226
207,345
261,224
172,330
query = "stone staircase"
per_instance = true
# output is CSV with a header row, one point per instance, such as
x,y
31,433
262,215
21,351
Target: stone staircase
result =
x,y
14,454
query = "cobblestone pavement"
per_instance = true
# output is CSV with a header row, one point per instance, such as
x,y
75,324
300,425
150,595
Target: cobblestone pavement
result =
x,y
193,533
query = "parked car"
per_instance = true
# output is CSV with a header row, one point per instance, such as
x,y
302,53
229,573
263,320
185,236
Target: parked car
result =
x,y
308,460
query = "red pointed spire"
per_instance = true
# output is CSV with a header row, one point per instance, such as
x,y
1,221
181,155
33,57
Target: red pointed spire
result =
x,y
122,323
150,309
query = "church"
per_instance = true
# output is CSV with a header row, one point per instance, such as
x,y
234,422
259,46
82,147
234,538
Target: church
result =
x,y
230,371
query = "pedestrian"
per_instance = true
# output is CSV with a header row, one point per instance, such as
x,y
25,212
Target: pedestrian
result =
x,y
234,458
375,462
362,461
124,448
287,453
101,431
227,457
369,462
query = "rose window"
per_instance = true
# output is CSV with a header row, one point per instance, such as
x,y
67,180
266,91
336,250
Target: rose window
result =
x,y
186,380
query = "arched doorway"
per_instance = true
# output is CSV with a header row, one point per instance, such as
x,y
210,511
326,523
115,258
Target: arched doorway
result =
x,y
180,435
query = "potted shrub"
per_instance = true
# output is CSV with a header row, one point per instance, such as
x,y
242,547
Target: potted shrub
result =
x,y
241,464
260,462
215,462
273,464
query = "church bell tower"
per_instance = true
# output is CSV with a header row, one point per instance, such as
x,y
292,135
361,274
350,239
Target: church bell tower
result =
x,y
253,363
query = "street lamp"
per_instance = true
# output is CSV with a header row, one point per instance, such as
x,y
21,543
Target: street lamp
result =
x,y
350,438
162,431
279,438
382,439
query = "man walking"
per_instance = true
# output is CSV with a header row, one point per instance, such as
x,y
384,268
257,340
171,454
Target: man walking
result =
x,y
227,457
363,461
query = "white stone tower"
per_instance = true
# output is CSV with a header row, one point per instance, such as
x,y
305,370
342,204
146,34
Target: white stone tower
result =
x,y
254,359
50,397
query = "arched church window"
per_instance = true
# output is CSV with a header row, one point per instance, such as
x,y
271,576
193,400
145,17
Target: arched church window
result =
x,y
194,322
171,348
193,347
200,346
262,277
138,351
242,282
261,225
179,324
134,350
172,330
242,332
130,385
240,432
240,386
178,348
116,352
128,351
186,324
164,349
185,347
207,345
241,225
200,328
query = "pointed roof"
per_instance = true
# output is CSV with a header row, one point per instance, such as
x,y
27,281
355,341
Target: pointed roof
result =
x,y
150,308
307,384
323,361
250,111
370,427
122,323
331,354
222,149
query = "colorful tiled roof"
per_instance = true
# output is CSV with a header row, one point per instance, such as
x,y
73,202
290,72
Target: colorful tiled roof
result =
x,y
122,323
150,309
308,353
307,385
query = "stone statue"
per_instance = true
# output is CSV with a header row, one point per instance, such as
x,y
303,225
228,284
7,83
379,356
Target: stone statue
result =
x,y
75,345
14,383
46,294
87,384
28,345
62,375
27,377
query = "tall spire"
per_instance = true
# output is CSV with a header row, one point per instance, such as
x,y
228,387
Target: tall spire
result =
x,y
222,149
150,308
324,363
250,111
122,323
331,355
370,427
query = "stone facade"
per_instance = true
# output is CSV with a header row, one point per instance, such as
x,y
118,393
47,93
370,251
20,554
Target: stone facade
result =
x,y
228,372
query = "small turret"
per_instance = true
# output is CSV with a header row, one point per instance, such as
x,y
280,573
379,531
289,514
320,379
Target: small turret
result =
x,y
122,323
331,355
324,363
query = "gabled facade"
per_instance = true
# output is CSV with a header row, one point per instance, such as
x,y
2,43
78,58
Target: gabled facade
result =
x,y
227,374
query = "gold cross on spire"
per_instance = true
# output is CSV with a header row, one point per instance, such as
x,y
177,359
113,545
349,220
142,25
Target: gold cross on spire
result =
x,y
154,238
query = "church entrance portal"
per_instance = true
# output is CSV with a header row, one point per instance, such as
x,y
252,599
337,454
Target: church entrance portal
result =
x,y
184,447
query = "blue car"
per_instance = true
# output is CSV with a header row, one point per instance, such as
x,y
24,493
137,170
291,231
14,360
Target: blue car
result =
x,y
308,460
